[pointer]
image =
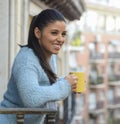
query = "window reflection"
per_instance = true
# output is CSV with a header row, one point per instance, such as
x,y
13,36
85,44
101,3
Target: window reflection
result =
x,y
101,22
117,26
93,21
110,23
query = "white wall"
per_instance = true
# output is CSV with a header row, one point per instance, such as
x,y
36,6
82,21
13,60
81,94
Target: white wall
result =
x,y
4,38
13,30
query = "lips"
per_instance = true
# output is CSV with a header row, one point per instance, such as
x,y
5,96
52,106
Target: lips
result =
x,y
57,46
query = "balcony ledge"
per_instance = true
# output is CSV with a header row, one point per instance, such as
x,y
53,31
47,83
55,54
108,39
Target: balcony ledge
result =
x,y
99,86
114,83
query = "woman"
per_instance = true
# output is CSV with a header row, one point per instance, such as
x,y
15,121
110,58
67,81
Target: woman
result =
x,y
33,81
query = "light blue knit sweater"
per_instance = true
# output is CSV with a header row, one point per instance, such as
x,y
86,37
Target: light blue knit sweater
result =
x,y
29,87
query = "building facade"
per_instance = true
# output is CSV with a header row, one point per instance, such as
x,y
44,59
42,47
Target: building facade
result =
x,y
97,53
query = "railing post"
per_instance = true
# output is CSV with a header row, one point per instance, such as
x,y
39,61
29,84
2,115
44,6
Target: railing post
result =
x,y
50,119
69,108
20,118
66,111
20,112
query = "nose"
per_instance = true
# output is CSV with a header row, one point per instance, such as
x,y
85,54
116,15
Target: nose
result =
x,y
60,39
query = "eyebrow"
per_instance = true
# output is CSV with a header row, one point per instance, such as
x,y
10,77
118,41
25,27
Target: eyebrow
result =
x,y
58,30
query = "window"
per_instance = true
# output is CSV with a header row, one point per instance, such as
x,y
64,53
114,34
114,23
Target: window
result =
x,y
91,20
110,23
118,91
102,48
92,101
110,95
115,3
117,24
101,22
100,1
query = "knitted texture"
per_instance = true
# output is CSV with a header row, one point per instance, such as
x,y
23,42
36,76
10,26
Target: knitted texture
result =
x,y
29,86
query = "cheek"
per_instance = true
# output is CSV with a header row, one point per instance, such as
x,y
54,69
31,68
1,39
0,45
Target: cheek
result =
x,y
46,42
64,40
47,38
50,40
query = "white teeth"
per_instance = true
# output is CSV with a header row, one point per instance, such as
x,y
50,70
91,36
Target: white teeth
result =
x,y
57,46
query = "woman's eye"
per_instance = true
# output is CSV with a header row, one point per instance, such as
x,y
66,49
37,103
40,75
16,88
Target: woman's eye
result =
x,y
64,34
54,33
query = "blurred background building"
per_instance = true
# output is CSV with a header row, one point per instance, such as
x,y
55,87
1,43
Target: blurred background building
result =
x,y
92,46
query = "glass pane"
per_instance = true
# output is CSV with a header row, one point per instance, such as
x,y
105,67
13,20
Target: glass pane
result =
x,y
92,101
117,26
110,23
101,22
110,95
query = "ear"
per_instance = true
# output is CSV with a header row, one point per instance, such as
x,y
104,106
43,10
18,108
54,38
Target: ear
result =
x,y
37,32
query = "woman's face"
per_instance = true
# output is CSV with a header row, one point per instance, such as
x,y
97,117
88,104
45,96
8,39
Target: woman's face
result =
x,y
52,37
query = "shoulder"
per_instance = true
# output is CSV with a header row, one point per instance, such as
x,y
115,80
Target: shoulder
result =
x,y
25,57
26,54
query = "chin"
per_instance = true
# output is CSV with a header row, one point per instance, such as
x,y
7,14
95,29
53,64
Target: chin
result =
x,y
56,53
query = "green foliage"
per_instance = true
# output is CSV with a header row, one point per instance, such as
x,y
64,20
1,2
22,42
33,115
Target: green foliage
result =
x,y
76,42
113,121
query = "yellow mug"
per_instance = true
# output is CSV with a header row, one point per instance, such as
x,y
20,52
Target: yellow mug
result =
x,y
81,82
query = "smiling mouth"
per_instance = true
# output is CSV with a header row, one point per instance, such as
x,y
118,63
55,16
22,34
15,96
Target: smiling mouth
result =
x,y
57,47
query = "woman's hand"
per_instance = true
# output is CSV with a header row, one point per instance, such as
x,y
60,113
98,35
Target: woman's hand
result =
x,y
72,79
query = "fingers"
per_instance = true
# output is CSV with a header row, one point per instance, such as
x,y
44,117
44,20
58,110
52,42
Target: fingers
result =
x,y
72,79
74,84
74,76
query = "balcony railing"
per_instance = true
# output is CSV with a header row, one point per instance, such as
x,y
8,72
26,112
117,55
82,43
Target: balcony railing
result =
x,y
115,101
96,56
111,55
69,109
51,113
113,78
96,80
114,55
112,106
98,110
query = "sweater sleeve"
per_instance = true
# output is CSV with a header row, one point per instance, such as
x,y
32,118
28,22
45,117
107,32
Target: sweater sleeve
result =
x,y
34,95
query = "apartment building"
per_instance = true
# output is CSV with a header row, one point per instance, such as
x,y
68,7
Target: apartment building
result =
x,y
97,53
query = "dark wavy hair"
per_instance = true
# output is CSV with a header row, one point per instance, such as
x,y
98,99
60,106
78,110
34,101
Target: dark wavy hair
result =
x,y
41,21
